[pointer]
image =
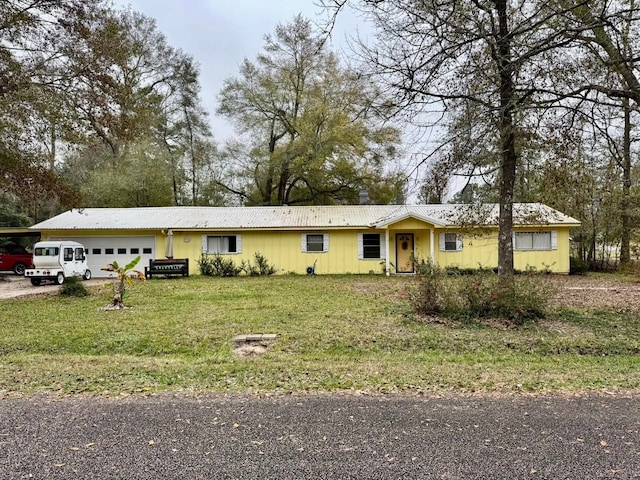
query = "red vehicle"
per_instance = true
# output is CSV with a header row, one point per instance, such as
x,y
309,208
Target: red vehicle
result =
x,y
16,258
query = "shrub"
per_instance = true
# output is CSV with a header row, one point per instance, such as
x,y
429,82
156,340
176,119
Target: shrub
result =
x,y
481,295
476,293
518,299
577,266
426,299
217,266
260,268
73,287
455,270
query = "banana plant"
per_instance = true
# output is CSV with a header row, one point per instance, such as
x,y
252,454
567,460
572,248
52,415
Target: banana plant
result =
x,y
125,276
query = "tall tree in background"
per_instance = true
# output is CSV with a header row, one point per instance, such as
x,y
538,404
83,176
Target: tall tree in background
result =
x,y
120,69
187,137
28,100
84,92
312,137
137,98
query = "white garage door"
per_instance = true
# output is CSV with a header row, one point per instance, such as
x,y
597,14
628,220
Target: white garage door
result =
x,y
103,250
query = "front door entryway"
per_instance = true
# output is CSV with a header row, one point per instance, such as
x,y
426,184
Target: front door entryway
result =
x,y
404,253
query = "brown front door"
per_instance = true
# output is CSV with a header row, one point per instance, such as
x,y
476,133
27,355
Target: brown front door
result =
x,y
404,253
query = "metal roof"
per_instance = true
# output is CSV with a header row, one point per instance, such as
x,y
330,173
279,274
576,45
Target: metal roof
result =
x,y
291,217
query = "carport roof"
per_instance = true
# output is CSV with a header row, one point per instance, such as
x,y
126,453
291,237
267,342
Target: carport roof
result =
x,y
293,217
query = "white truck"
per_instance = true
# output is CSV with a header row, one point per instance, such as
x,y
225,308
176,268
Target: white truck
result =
x,y
57,260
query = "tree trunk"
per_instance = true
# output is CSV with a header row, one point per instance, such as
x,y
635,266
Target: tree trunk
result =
x,y
625,218
283,191
53,139
507,142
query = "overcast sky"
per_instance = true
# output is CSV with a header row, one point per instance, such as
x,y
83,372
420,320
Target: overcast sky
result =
x,y
219,34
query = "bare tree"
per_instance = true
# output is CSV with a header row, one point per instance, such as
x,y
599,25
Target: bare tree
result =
x,y
607,38
436,55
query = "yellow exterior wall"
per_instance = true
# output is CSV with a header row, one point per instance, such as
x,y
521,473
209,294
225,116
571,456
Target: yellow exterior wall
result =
x,y
477,251
283,248
554,260
408,225
482,251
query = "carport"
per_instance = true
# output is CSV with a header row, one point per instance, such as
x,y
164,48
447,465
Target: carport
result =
x,y
20,233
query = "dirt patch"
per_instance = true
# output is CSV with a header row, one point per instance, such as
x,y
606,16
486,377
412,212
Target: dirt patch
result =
x,y
395,289
250,350
596,292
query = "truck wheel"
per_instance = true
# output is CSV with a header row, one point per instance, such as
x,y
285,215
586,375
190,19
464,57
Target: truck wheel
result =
x,y
19,268
60,278
35,282
87,275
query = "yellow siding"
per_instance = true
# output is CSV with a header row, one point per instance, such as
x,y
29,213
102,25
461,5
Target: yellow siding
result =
x,y
482,251
555,260
477,252
283,249
409,224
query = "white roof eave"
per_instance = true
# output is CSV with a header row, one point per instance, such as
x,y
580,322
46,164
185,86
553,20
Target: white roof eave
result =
x,y
399,218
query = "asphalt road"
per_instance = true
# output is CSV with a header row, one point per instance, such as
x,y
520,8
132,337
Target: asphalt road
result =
x,y
320,437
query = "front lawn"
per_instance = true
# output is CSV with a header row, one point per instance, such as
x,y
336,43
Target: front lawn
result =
x,y
334,333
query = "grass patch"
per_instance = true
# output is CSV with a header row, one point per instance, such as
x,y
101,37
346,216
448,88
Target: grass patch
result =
x,y
334,333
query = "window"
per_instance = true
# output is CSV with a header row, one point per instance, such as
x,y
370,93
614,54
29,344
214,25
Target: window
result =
x,y
146,250
134,251
68,254
316,242
450,242
80,253
122,251
46,252
96,251
535,240
371,246
220,244
108,251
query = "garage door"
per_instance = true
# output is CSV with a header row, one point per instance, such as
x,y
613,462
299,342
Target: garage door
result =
x,y
103,250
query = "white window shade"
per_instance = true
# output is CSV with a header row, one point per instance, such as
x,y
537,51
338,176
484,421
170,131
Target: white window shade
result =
x,y
221,244
535,240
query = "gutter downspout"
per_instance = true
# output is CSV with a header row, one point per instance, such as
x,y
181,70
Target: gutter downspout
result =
x,y
386,254
432,249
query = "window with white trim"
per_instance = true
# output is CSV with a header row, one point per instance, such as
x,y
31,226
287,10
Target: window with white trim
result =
x,y
315,242
221,244
535,240
371,246
450,242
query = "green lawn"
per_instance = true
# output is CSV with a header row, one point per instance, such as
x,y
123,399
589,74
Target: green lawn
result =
x,y
334,333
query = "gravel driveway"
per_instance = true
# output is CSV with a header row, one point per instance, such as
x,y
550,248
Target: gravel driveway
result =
x,y
12,286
